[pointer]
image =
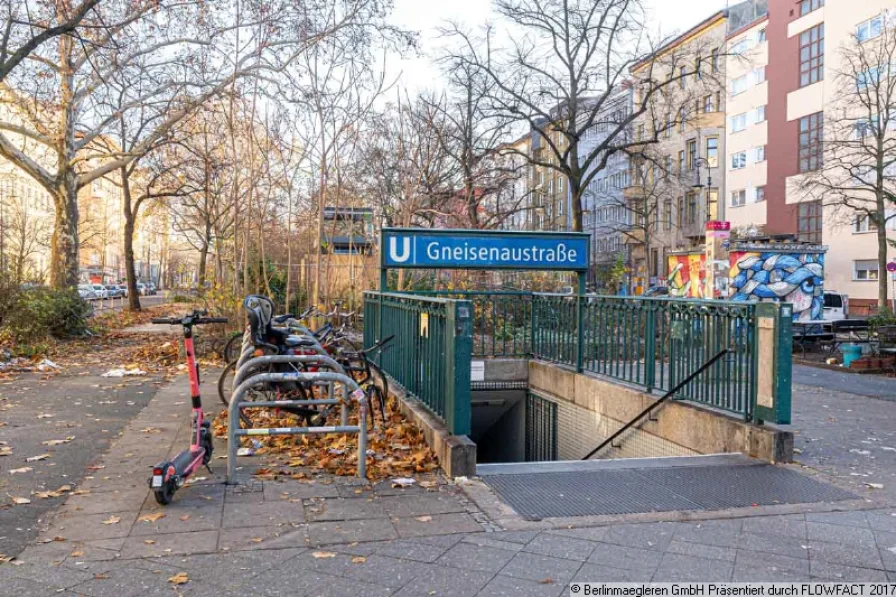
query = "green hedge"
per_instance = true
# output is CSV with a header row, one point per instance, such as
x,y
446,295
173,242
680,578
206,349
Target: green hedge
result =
x,y
28,315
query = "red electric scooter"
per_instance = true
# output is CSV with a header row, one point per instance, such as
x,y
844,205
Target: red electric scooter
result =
x,y
169,476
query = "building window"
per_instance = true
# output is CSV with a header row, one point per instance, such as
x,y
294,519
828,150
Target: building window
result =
x,y
811,141
740,46
708,104
869,77
759,75
712,202
712,151
669,125
869,29
692,207
667,215
682,119
715,60
692,153
738,160
667,165
739,85
809,221
865,269
738,198
864,224
682,75
681,161
760,114
812,55
560,185
807,6
759,154
761,36
760,193
738,122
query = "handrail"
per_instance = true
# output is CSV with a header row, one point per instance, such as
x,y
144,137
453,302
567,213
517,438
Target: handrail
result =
x,y
650,408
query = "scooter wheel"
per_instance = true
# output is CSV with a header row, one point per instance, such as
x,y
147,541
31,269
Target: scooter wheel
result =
x,y
165,494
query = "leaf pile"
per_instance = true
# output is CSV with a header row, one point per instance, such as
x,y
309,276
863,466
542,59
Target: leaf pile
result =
x,y
398,450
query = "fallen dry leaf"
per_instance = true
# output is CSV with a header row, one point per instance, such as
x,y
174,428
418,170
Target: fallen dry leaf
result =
x,y
36,458
5,451
179,579
112,520
149,541
24,469
100,576
152,517
424,518
546,581
359,560
185,517
45,416
323,554
57,442
77,554
19,501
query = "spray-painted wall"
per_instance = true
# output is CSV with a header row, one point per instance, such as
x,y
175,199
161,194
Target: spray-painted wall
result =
x,y
687,275
760,272
796,278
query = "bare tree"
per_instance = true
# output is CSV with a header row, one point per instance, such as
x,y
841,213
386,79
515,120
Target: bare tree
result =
x,y
560,70
26,26
185,52
853,163
25,234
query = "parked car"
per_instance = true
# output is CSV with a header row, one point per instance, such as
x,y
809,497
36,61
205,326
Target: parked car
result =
x,y
113,291
123,288
100,291
141,288
85,291
836,306
151,289
657,291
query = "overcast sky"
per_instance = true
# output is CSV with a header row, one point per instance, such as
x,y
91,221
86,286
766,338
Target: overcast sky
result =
x,y
667,16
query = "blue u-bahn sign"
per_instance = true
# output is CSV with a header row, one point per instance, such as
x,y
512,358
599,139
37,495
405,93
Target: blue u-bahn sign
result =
x,y
484,249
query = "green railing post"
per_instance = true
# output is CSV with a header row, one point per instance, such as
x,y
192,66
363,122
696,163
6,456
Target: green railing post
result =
x,y
650,348
580,333
458,354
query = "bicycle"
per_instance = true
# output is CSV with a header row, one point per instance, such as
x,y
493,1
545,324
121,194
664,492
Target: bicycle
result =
x,y
170,475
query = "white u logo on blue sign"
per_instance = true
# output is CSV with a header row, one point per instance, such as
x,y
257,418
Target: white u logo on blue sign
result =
x,y
406,249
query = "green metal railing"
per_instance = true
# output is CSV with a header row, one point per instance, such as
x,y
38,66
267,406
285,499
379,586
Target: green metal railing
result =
x,y
649,342
654,343
502,320
431,352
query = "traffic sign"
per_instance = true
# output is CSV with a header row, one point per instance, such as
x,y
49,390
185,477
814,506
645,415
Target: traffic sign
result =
x,y
891,267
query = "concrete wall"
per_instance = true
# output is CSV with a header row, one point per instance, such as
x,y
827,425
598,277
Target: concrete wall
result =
x,y
598,407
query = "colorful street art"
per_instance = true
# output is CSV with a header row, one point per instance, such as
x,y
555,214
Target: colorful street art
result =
x,y
687,276
796,278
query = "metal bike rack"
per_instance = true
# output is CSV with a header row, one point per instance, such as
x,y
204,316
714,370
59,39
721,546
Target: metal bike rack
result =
x,y
349,386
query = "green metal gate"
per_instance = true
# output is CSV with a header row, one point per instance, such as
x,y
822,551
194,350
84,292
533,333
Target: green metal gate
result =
x,y
541,429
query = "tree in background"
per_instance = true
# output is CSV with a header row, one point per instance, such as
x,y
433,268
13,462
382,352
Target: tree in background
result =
x,y
560,69
852,165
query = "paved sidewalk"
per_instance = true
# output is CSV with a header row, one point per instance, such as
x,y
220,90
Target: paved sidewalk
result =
x,y
334,536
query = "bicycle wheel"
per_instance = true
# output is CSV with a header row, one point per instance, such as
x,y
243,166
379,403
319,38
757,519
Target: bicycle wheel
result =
x,y
232,346
379,378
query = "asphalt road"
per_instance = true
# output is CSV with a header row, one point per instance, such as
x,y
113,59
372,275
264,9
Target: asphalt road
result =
x,y
873,386
76,404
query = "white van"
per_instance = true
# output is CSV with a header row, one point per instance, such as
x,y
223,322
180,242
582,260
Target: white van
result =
x,y
836,306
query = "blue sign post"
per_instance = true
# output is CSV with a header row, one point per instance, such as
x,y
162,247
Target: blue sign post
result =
x,y
425,248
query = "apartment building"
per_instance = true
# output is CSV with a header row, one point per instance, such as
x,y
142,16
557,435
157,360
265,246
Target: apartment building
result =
x,y
746,136
550,195
605,216
676,189
784,86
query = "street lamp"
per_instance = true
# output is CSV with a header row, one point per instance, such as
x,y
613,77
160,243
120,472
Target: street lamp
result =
x,y
701,161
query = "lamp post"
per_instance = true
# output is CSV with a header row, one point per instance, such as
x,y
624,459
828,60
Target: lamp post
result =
x,y
717,234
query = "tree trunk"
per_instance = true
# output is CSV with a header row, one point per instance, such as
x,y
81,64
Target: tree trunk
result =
x,y
203,259
64,266
882,281
130,270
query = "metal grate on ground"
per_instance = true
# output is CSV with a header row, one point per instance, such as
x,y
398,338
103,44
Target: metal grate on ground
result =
x,y
635,490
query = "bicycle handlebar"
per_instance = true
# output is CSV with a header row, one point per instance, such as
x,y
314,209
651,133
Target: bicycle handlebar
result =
x,y
194,318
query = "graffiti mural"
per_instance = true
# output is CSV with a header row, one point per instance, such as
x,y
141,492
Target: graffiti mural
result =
x,y
687,276
796,278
